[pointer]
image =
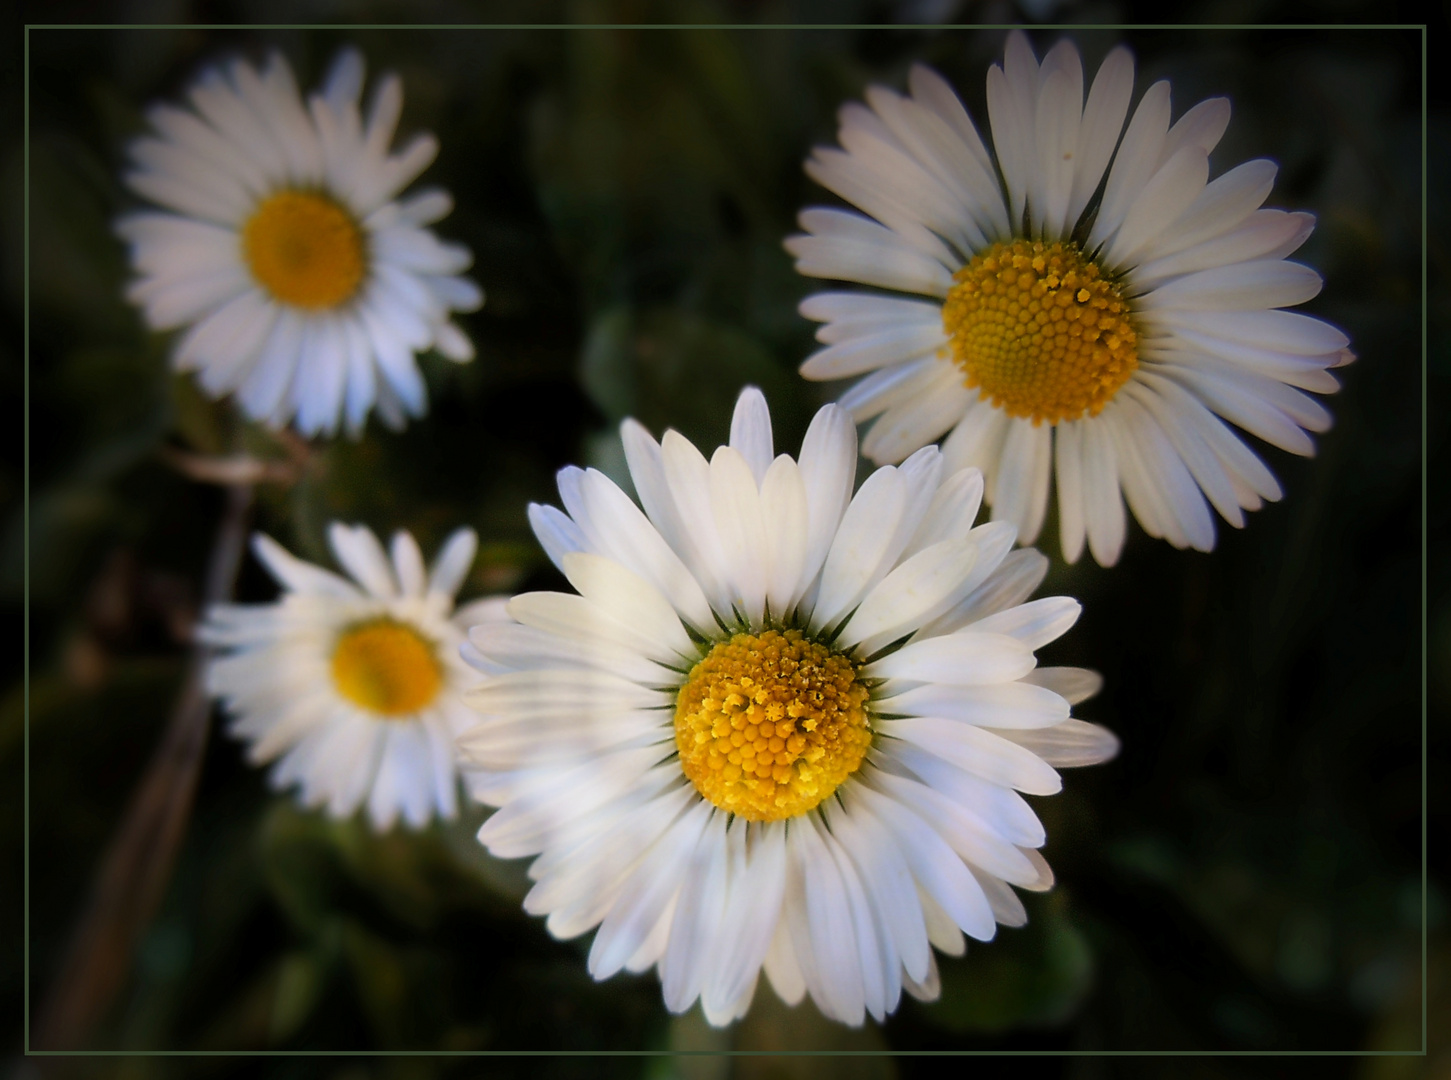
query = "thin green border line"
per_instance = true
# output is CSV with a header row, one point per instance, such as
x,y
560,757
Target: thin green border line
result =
x,y
1425,602
720,1053
29,1051
723,26
25,518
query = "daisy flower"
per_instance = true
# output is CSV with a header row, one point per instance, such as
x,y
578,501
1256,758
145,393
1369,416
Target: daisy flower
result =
x,y
305,285
1087,314
353,686
780,727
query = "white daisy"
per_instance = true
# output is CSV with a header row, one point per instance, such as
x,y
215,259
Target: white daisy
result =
x,y
780,726
353,685
1094,321
306,288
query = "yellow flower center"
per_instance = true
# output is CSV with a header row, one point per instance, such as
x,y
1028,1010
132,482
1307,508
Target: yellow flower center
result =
x,y
770,724
386,667
304,249
1040,331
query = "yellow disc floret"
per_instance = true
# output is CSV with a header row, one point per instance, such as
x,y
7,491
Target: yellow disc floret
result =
x,y
304,249
387,667
770,724
1040,331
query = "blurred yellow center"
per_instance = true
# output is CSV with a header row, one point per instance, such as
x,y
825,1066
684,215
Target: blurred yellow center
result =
x,y
770,724
1039,331
386,667
304,249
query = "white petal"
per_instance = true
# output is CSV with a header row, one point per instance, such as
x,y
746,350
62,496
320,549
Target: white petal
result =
x,y
1103,120
1274,331
961,659
589,693
525,648
1260,405
1202,126
994,582
861,250
687,476
1252,479
753,911
1068,476
1059,112
222,343
828,472
618,530
877,176
1136,161
751,432
1168,403
821,920
403,783
952,511
861,545
896,385
556,532
849,315
978,751
785,515
936,867
594,891
885,875
1008,910
408,564
918,590
695,930
298,575
653,884
1001,808
1247,286
781,966
1070,744
1178,506
1036,623
452,563
933,142
932,91
360,553
578,618
868,351
1002,705
629,599
736,505
925,417
647,470
1020,489
977,442
1103,506
1220,208
972,838
1167,195
1073,684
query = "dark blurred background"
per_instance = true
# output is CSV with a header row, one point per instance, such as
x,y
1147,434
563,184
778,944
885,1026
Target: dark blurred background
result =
x,y
1246,876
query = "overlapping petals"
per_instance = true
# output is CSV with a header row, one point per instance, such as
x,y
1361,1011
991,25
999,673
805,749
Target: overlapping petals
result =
x,y
576,742
1202,264
273,671
247,135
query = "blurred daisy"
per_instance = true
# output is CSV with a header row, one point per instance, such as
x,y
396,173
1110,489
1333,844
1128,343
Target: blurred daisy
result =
x,y
306,288
780,727
353,685
1094,321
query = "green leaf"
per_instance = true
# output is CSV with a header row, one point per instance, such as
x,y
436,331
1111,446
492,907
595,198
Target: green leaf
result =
x,y
1028,977
677,369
